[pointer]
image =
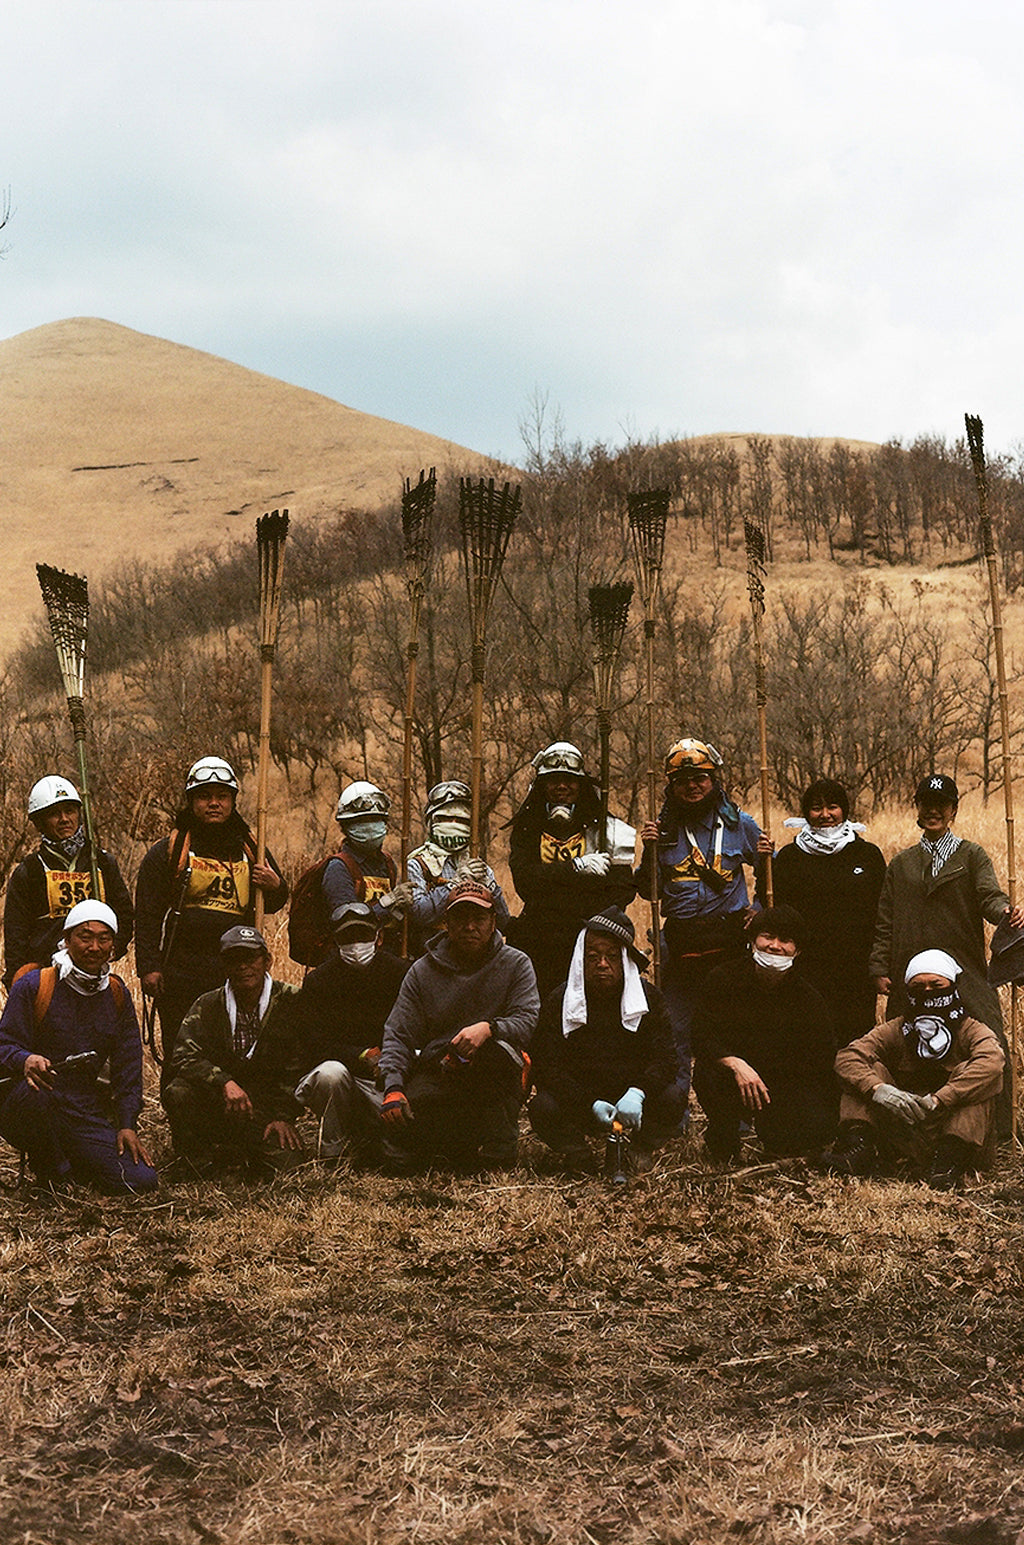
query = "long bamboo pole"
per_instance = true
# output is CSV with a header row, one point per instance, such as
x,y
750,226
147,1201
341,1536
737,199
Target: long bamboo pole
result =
x,y
756,557
417,515
271,532
609,612
976,443
648,520
66,598
487,515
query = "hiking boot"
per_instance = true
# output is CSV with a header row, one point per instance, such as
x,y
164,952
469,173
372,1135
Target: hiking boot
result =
x,y
952,1161
853,1153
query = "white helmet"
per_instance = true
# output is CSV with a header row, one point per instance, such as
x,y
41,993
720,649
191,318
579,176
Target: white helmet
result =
x,y
562,756
361,798
52,791
210,769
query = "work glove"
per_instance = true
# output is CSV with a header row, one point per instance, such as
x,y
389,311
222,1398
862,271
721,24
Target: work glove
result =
x,y
396,1110
400,899
472,869
630,1109
604,1113
911,1108
592,863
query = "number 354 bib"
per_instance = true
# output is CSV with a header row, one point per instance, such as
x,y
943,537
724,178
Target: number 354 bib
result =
x,y
65,888
216,886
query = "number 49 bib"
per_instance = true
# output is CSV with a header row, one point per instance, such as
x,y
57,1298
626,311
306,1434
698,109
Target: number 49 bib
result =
x,y
216,886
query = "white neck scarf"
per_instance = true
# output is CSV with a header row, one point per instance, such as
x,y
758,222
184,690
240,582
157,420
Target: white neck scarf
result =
x,y
82,981
231,1003
824,839
633,1005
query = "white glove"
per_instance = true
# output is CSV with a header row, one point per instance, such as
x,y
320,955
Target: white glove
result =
x,y
472,869
400,899
604,1113
910,1108
592,863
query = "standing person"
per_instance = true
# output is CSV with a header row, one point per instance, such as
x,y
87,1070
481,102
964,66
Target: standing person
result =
x,y
833,878
764,1047
455,1043
701,842
60,1025
327,1047
49,882
603,1051
361,870
192,885
939,895
434,867
922,1086
559,868
218,1104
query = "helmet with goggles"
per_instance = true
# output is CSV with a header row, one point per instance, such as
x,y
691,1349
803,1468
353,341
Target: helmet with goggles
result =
x,y
361,799
211,772
692,756
442,795
560,757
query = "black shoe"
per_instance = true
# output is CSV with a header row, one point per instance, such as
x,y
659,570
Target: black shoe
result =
x,y
953,1160
853,1152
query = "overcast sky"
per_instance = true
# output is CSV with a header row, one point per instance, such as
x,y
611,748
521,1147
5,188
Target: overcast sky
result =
x,y
800,216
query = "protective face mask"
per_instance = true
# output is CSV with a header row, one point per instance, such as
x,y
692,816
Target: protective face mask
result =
x,y
450,835
773,962
367,834
358,954
562,813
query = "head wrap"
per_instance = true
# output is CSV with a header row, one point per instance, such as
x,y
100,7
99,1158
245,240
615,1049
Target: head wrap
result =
x,y
90,912
932,963
632,1006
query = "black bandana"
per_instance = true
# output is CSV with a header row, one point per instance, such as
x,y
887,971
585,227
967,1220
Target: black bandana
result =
x,y
931,1030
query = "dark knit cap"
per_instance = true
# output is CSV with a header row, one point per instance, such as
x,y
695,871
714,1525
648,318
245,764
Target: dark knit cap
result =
x,y
615,924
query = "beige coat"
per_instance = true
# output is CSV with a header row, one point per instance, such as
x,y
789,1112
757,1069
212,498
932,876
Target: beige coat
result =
x,y
965,1087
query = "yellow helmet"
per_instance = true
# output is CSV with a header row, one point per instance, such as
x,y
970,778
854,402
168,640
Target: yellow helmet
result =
x,y
695,755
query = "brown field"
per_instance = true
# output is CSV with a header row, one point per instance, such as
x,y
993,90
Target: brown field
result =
x,y
335,1357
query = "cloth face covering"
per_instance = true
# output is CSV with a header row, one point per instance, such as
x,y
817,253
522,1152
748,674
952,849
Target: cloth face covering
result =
x,y
450,834
70,847
359,954
82,981
773,962
366,834
936,1019
824,839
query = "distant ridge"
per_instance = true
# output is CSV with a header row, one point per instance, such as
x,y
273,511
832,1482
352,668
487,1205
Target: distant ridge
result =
x,y
114,443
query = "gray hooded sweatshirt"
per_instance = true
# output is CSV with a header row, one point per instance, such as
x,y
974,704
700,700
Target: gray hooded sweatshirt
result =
x,y
438,998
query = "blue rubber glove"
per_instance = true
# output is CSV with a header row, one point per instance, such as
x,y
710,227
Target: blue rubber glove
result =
x,y
604,1113
630,1109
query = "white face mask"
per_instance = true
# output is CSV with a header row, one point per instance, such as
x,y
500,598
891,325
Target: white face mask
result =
x,y
358,954
451,834
773,962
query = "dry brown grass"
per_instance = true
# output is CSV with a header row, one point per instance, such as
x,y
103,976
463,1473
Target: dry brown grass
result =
x,y
342,1357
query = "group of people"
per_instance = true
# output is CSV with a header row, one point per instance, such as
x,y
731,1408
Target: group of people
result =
x,y
430,1015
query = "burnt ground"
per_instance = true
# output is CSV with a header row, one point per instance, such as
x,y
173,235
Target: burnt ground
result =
x,y
334,1356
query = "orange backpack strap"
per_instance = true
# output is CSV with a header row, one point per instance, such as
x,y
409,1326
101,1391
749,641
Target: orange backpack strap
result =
x,y
47,983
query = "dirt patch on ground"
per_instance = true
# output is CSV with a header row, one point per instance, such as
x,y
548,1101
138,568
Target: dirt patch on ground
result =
x,y
340,1357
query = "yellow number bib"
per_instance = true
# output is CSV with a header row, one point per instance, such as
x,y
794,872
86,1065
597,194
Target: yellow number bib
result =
x,y
218,886
376,887
554,851
65,888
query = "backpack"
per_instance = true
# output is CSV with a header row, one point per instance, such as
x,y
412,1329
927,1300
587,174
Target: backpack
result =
x,y
309,922
48,981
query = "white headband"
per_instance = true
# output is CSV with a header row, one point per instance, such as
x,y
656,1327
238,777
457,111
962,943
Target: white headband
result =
x,y
932,963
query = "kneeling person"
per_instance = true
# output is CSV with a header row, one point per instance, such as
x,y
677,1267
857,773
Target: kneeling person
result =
x,y
328,1042
922,1086
453,1058
765,1046
214,1096
604,1050
61,1024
